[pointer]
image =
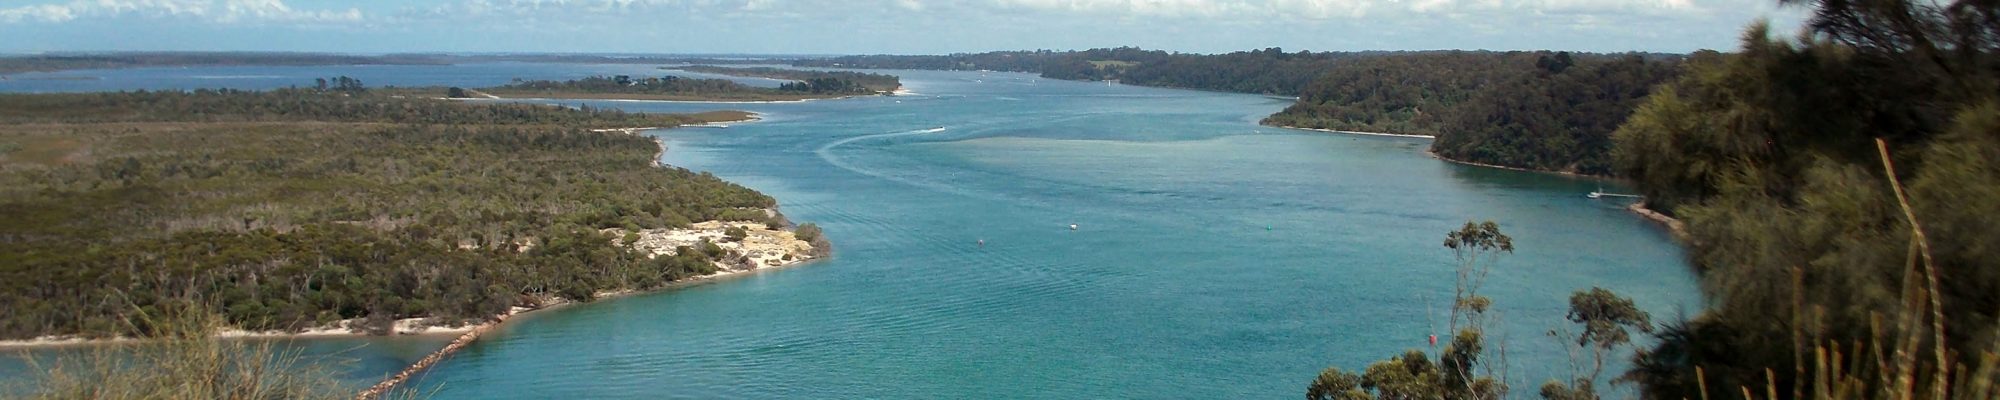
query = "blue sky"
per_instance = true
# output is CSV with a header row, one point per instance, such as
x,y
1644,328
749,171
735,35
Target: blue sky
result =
x,y
876,26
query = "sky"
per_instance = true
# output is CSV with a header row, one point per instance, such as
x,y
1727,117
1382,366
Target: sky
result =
x,y
876,26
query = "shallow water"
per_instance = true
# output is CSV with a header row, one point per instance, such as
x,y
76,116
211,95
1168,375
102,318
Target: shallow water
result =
x,y
1213,258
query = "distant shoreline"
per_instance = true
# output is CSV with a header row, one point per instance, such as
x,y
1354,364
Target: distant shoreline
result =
x,y
1673,225
1359,133
1431,154
614,97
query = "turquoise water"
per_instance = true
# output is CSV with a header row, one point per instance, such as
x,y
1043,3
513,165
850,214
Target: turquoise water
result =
x,y
1213,258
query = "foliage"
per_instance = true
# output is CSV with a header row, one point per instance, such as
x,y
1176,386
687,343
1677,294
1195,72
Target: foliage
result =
x,y
186,363
810,233
1608,321
1779,159
625,84
1404,93
673,87
294,208
1459,372
1476,247
810,81
1559,117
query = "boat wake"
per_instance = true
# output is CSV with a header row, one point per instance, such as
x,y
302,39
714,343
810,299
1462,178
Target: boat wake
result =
x,y
826,152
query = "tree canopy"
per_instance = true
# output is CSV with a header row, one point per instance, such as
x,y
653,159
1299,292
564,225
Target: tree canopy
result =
x,y
292,208
1837,190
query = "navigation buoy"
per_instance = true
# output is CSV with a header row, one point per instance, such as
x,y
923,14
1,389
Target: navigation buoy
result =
x,y
982,242
1434,340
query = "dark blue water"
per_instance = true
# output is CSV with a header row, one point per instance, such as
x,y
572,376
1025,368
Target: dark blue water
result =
x,y
1214,258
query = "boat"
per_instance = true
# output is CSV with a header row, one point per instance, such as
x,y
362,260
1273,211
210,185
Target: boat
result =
x,y
1600,193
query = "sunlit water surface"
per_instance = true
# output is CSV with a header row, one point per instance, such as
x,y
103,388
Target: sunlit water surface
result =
x,y
1213,258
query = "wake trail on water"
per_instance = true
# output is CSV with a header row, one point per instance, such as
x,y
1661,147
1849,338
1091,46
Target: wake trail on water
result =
x,y
1051,191
825,152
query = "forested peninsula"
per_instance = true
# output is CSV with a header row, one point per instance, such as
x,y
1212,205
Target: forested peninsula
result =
x,y
1541,110
299,208
807,85
808,80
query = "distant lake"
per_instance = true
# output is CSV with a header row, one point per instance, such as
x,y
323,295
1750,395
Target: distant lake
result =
x,y
1213,258
274,77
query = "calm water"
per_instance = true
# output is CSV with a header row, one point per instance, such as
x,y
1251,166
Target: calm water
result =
x,y
1214,258
264,77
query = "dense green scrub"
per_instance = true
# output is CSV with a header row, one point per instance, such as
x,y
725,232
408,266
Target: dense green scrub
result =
x,y
1403,93
292,208
808,80
815,86
1556,116
1806,229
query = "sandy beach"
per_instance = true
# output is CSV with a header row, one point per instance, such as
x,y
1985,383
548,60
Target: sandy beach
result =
x,y
1673,225
348,328
762,249
1360,133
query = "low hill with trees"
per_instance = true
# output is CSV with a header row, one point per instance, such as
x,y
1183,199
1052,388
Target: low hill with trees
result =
x,y
677,88
292,208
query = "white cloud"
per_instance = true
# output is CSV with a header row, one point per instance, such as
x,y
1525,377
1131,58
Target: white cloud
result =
x,y
44,12
1167,8
1212,10
212,10
1326,9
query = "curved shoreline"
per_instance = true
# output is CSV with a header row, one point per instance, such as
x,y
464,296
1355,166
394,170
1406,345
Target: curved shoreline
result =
x,y
764,250
473,333
491,97
1356,132
1673,225
1432,154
